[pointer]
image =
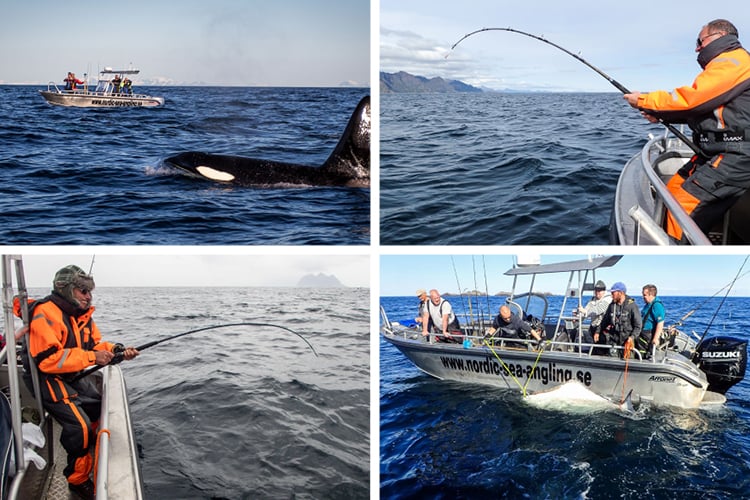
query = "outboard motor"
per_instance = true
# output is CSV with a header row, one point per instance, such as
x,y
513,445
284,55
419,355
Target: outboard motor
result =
x,y
723,360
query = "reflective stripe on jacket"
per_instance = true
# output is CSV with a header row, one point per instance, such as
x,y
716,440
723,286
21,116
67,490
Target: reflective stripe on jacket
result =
x,y
61,343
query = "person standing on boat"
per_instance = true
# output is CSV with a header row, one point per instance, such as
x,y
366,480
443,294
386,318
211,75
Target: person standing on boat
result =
x,y
422,296
717,109
116,81
594,311
621,323
653,314
71,81
63,341
511,326
439,317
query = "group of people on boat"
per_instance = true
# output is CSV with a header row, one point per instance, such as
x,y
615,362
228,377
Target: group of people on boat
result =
x,y
63,340
716,107
122,85
119,85
616,323
436,316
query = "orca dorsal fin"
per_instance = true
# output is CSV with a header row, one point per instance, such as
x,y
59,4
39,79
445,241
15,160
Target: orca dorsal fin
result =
x,y
352,153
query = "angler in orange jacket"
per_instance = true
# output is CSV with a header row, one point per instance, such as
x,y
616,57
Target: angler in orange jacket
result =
x,y
63,340
717,109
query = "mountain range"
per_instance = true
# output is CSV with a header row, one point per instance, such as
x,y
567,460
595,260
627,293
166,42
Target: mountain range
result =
x,y
406,82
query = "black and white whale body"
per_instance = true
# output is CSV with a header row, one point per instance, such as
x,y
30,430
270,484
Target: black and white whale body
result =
x,y
348,165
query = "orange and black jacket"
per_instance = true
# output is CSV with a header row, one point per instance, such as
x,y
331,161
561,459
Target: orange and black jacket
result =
x,y
62,338
717,105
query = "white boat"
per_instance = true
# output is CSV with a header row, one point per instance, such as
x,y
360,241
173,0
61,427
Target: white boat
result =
x,y
117,472
682,372
104,95
642,198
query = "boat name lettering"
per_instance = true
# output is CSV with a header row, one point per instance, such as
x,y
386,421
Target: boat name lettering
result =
x,y
545,373
112,102
721,354
657,378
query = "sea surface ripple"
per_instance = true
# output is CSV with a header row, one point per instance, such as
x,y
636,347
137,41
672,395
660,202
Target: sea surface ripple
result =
x,y
96,177
247,412
503,168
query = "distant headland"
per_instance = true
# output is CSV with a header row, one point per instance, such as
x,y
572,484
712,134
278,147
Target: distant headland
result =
x,y
403,82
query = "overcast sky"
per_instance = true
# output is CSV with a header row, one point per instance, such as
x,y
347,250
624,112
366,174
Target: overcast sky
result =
x,y
199,270
644,46
673,275
218,42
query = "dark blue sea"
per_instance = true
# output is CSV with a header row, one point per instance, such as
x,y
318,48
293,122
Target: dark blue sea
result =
x,y
441,439
503,168
95,176
247,412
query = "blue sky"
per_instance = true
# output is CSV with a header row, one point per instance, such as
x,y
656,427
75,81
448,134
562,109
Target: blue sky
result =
x,y
685,275
644,46
218,42
228,267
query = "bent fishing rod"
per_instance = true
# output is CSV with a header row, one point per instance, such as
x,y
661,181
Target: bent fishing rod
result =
x,y
704,302
611,80
729,289
119,356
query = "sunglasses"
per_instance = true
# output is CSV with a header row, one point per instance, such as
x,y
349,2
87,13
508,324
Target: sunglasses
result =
x,y
699,41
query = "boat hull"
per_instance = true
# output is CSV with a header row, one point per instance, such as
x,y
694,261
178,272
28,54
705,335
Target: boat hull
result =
x,y
94,100
671,382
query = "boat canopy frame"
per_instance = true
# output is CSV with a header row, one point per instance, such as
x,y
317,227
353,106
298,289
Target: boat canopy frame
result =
x,y
582,278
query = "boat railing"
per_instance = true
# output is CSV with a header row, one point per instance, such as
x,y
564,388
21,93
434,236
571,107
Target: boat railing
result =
x,y
584,350
644,222
95,92
102,469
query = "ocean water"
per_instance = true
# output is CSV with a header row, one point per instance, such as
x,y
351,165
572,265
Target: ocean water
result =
x,y
96,177
503,169
442,439
247,412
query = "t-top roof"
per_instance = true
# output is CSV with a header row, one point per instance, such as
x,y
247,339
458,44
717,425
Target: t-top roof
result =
x,y
564,267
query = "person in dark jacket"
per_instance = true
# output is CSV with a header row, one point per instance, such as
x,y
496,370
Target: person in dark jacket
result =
x,y
717,109
621,322
511,326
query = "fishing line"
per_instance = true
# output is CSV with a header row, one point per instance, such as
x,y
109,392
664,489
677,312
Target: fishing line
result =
x,y
611,80
716,312
702,303
203,329
460,292
486,287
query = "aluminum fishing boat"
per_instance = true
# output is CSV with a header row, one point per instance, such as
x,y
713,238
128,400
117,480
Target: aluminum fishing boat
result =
x,y
681,372
642,198
106,94
117,472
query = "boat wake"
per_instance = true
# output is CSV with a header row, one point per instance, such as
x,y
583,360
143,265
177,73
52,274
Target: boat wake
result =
x,y
574,397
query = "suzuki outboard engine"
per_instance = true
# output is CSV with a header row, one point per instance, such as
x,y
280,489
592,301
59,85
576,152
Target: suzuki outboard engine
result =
x,y
723,360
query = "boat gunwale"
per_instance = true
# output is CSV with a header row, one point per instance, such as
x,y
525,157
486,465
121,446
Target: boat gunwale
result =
x,y
641,163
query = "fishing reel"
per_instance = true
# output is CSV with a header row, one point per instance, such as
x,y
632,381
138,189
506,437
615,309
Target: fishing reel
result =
x,y
119,352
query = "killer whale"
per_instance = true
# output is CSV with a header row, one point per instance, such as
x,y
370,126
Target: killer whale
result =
x,y
348,164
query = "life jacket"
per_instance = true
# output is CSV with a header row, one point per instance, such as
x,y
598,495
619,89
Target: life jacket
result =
x,y
715,106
